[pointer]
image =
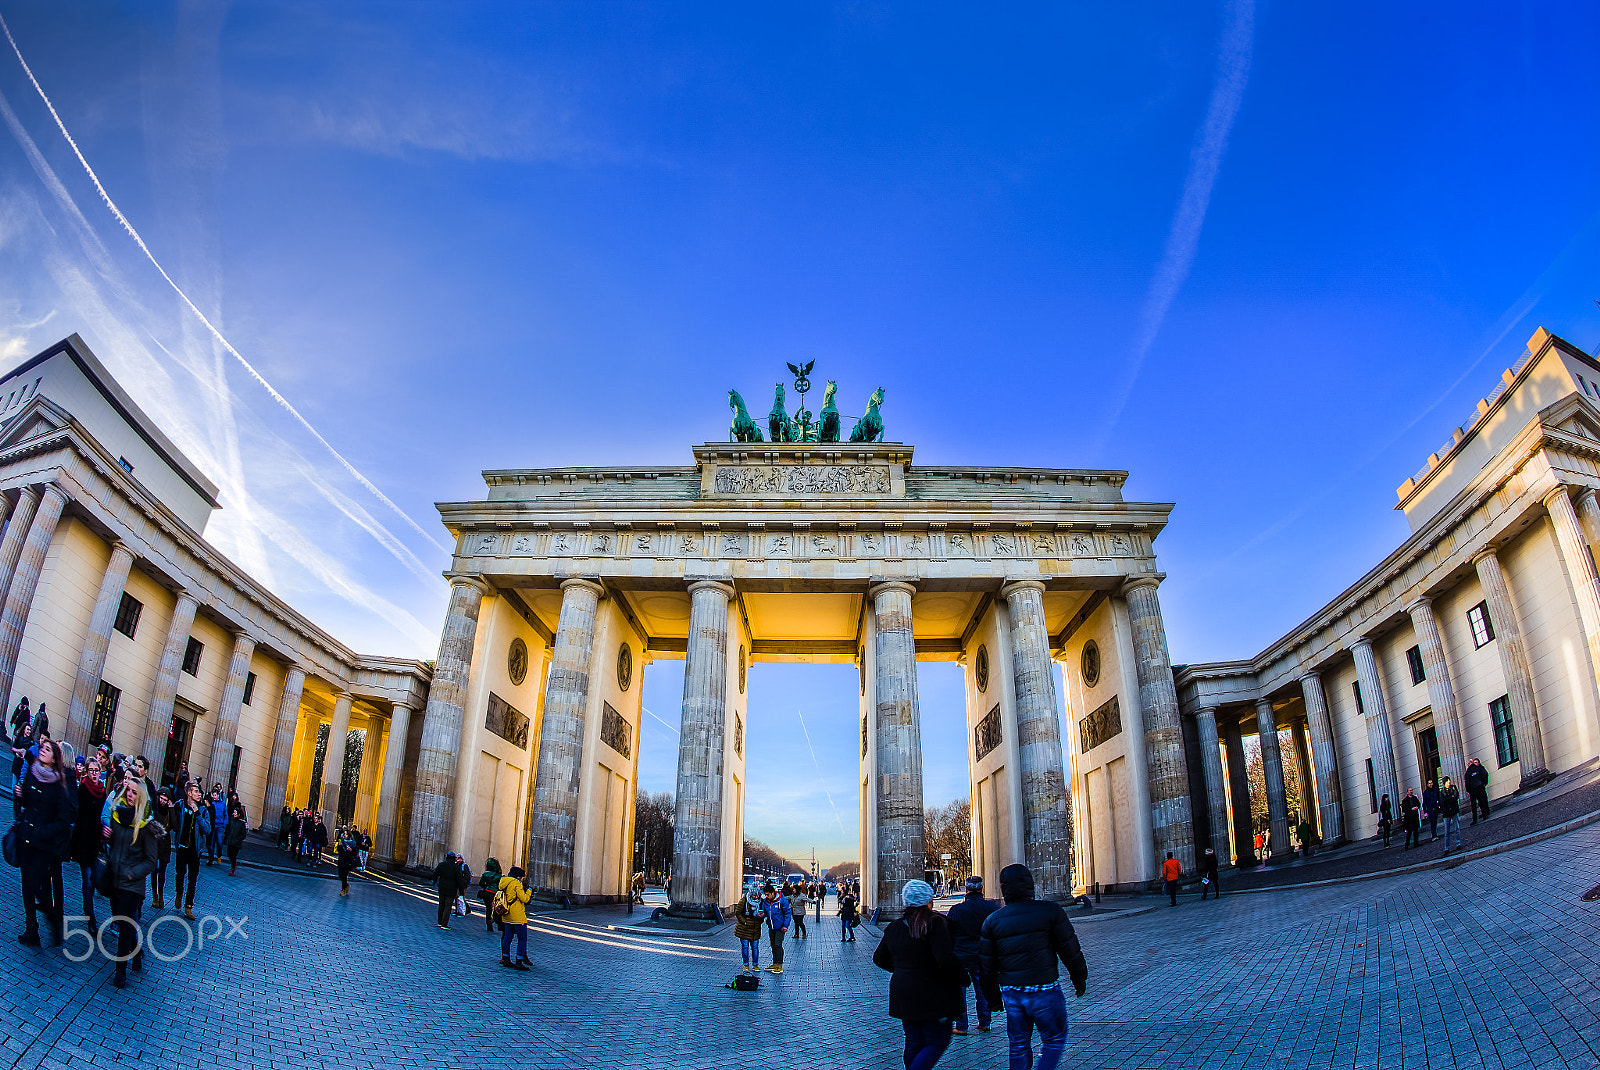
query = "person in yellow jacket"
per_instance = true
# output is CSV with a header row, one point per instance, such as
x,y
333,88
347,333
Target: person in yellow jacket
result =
x,y
516,919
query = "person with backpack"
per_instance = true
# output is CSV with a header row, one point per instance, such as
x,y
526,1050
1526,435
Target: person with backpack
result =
x,y
488,888
849,915
131,861
966,927
926,978
747,919
510,905
1018,950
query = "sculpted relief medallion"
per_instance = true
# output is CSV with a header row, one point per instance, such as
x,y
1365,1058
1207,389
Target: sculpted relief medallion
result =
x,y
1091,663
625,667
980,669
758,480
517,662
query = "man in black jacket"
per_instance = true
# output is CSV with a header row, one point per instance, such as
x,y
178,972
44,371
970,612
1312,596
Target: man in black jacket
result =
x,y
1478,789
1208,876
966,927
1019,947
445,877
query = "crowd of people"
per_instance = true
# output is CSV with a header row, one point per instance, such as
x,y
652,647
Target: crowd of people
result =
x,y
104,812
1441,803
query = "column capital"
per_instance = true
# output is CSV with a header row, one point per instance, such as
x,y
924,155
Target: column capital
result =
x,y
1314,675
1557,491
396,707
1422,602
1264,703
1357,642
1586,494
876,589
1150,580
1490,551
1021,585
578,583
706,583
1208,709
463,579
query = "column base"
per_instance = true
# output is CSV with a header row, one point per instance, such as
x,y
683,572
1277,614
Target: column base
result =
x,y
697,911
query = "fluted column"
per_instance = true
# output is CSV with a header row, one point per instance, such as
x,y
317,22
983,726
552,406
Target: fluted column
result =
x,y
367,776
394,760
159,725
227,729
1205,719
16,534
1244,830
552,832
1302,772
333,760
697,828
1447,721
1272,767
897,793
25,581
1170,816
1513,650
294,683
1330,801
1046,803
1575,554
1380,739
92,660
433,799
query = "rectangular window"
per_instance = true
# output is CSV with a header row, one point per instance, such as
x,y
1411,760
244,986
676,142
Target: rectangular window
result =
x,y
1355,689
191,656
128,611
1505,733
1414,661
105,713
1372,786
1482,626
126,465
249,686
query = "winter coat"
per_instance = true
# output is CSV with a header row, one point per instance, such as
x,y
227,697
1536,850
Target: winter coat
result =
x,y
48,811
516,897
234,836
1477,778
778,914
132,861
848,905
86,836
1208,866
747,920
192,828
926,979
1022,941
444,878
1430,802
966,922
1450,802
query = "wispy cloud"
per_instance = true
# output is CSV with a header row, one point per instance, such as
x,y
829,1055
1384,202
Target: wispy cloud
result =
x,y
1205,161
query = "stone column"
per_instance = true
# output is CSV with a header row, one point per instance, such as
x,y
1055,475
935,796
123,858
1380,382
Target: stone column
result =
x,y
1205,719
552,832
159,726
1513,650
16,534
367,776
92,660
697,829
1244,830
433,799
898,718
394,760
1380,741
1302,772
294,683
1170,816
1272,767
25,581
1447,721
1330,802
333,761
1575,554
1046,803
227,729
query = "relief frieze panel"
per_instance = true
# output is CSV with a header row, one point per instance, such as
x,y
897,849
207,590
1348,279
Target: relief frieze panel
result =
x,y
757,480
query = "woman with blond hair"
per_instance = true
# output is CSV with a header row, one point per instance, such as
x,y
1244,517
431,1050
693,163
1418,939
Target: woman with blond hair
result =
x,y
134,852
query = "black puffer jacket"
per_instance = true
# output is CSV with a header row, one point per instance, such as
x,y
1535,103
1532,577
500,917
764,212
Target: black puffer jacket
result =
x,y
44,827
1023,939
927,978
966,922
132,858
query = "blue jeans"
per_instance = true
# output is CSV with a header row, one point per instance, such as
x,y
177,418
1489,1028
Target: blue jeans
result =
x,y
1452,831
971,964
750,952
849,931
1048,1011
521,934
925,1042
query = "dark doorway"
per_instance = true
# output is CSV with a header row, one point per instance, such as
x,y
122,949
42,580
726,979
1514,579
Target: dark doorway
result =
x,y
1428,756
177,749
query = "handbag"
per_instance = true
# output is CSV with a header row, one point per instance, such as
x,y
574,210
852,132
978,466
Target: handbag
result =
x,y
11,847
461,907
100,875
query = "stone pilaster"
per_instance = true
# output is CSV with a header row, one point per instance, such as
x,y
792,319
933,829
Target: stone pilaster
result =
x,y
294,683
697,831
553,830
1330,801
1447,721
16,534
227,729
1380,738
1205,719
333,760
1302,771
897,787
1579,561
1272,767
1170,816
394,760
1046,803
1513,650
433,800
96,641
1244,832
25,581
159,725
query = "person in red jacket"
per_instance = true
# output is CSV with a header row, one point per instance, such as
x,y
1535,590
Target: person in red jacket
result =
x,y
1171,871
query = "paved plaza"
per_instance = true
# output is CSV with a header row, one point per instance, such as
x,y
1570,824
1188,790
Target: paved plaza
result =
x,y
1490,964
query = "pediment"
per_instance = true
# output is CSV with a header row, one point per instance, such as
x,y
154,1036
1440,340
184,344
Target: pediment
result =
x,y
41,416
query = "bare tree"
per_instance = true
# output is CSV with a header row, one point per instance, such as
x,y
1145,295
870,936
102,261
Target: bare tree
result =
x,y
948,830
652,833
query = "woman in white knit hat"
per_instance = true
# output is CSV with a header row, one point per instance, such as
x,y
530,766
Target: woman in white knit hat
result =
x,y
925,989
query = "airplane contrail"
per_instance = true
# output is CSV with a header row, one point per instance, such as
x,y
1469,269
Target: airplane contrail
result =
x,y
818,764
139,241
663,720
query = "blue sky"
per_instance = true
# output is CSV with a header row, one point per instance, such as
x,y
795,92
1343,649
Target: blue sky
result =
x,y
1263,256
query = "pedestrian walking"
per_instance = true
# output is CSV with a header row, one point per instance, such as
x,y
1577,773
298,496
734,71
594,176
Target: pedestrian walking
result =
x,y
1171,871
86,836
47,809
926,978
192,830
747,919
364,846
514,923
285,828
131,860
233,837
1430,810
219,824
1209,884
1303,832
1019,948
1410,818
1385,818
849,915
444,881
317,842
1450,810
799,903
164,815
966,927
779,917
1261,842
349,856
488,885
1478,789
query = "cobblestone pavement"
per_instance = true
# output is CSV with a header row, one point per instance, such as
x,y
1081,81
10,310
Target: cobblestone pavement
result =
x,y
1490,964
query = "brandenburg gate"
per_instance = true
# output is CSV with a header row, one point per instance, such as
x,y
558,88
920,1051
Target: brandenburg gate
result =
x,y
567,582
